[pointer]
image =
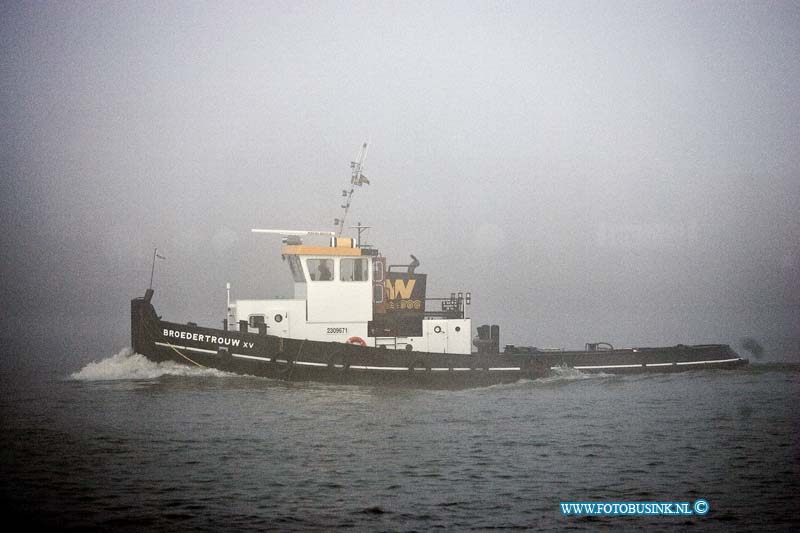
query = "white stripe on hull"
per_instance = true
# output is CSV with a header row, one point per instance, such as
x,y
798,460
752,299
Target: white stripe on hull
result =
x,y
201,350
641,365
267,359
457,369
708,362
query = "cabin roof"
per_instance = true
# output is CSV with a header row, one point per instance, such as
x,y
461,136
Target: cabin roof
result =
x,y
303,249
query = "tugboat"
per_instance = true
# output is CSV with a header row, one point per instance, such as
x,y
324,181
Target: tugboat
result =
x,y
355,319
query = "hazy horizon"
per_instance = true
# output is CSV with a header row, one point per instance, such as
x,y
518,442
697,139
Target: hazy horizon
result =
x,y
624,171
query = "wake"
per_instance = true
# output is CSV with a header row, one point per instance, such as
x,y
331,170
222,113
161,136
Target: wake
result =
x,y
567,373
128,365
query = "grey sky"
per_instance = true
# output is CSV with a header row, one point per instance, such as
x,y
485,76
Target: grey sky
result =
x,y
611,171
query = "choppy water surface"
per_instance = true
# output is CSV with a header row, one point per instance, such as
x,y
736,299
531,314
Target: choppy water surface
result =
x,y
127,444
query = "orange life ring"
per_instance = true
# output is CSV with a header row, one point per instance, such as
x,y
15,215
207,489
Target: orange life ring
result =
x,y
356,340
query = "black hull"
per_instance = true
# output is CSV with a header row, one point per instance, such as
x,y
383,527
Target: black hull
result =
x,y
304,360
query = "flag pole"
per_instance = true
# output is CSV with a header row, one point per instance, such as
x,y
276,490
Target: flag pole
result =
x,y
153,268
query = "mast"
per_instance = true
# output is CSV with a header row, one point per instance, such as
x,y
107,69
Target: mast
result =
x,y
361,229
356,180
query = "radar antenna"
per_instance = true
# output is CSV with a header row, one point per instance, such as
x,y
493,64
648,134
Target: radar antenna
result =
x,y
356,180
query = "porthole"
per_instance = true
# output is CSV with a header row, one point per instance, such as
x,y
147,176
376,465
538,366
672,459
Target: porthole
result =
x,y
278,318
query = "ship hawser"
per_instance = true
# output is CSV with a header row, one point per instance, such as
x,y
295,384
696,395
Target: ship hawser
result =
x,y
355,319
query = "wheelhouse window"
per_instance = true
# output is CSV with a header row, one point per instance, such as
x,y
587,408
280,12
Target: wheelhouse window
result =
x,y
320,269
297,270
377,269
353,269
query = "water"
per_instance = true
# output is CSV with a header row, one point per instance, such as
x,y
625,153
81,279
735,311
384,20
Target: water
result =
x,y
126,444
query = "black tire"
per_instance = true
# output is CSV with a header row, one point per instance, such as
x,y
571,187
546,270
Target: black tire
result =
x,y
419,364
283,368
339,361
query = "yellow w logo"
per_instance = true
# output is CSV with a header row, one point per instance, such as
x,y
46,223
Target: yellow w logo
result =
x,y
401,289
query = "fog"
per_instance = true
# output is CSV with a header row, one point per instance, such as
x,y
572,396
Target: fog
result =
x,y
591,171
